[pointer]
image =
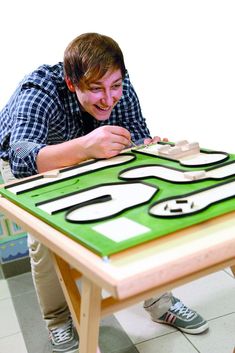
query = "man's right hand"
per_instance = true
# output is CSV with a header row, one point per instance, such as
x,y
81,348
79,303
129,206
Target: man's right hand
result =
x,y
106,141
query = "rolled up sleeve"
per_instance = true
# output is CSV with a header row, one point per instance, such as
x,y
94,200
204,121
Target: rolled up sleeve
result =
x,y
23,156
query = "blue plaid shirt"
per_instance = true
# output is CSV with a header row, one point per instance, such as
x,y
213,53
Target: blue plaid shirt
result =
x,y
42,111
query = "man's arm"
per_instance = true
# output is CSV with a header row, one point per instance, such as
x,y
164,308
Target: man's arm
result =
x,y
103,142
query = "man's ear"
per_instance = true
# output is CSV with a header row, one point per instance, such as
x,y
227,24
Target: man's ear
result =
x,y
69,84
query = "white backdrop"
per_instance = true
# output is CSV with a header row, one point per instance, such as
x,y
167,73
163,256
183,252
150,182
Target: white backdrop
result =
x,y
180,55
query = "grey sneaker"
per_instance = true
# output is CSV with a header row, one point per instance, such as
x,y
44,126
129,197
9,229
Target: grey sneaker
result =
x,y
183,318
64,339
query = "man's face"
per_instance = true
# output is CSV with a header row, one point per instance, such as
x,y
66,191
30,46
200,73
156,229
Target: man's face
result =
x,y
99,98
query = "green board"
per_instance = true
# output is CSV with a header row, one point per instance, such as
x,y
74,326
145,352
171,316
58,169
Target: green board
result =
x,y
146,227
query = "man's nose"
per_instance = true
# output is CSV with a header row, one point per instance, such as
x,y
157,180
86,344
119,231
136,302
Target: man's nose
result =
x,y
108,97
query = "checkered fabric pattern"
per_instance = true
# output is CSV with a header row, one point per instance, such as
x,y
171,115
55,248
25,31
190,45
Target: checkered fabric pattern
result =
x,y
42,111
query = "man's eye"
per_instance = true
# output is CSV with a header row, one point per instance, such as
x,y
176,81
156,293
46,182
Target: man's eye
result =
x,y
95,89
117,85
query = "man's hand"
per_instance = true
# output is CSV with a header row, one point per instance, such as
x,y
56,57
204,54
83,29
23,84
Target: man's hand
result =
x,y
155,139
103,142
106,141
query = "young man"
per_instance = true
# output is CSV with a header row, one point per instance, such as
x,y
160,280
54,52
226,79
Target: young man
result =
x,y
64,114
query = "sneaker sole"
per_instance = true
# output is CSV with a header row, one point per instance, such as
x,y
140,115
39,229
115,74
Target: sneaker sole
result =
x,y
192,331
71,351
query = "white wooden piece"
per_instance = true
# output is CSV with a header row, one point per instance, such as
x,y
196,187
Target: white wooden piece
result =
x,y
52,174
50,177
186,153
188,204
202,159
175,175
179,150
124,195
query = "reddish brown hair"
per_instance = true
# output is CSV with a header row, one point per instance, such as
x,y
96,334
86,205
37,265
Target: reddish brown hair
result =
x,y
89,56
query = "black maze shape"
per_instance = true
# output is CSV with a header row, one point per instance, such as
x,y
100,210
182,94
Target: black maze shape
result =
x,y
25,181
72,208
189,194
66,170
226,157
177,169
98,199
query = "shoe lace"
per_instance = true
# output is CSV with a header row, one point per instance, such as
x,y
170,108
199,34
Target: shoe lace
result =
x,y
63,333
181,309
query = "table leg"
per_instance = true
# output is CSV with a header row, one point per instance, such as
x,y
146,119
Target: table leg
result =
x,y
90,317
70,289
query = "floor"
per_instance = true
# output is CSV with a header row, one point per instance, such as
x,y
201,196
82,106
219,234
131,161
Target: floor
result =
x,y
128,331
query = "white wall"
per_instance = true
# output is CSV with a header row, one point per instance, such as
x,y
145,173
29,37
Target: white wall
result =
x,y
180,55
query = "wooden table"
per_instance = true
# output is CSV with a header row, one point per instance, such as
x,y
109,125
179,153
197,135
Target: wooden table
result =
x,y
133,275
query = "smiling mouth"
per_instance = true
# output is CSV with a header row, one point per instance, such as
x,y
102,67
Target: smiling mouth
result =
x,y
102,109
